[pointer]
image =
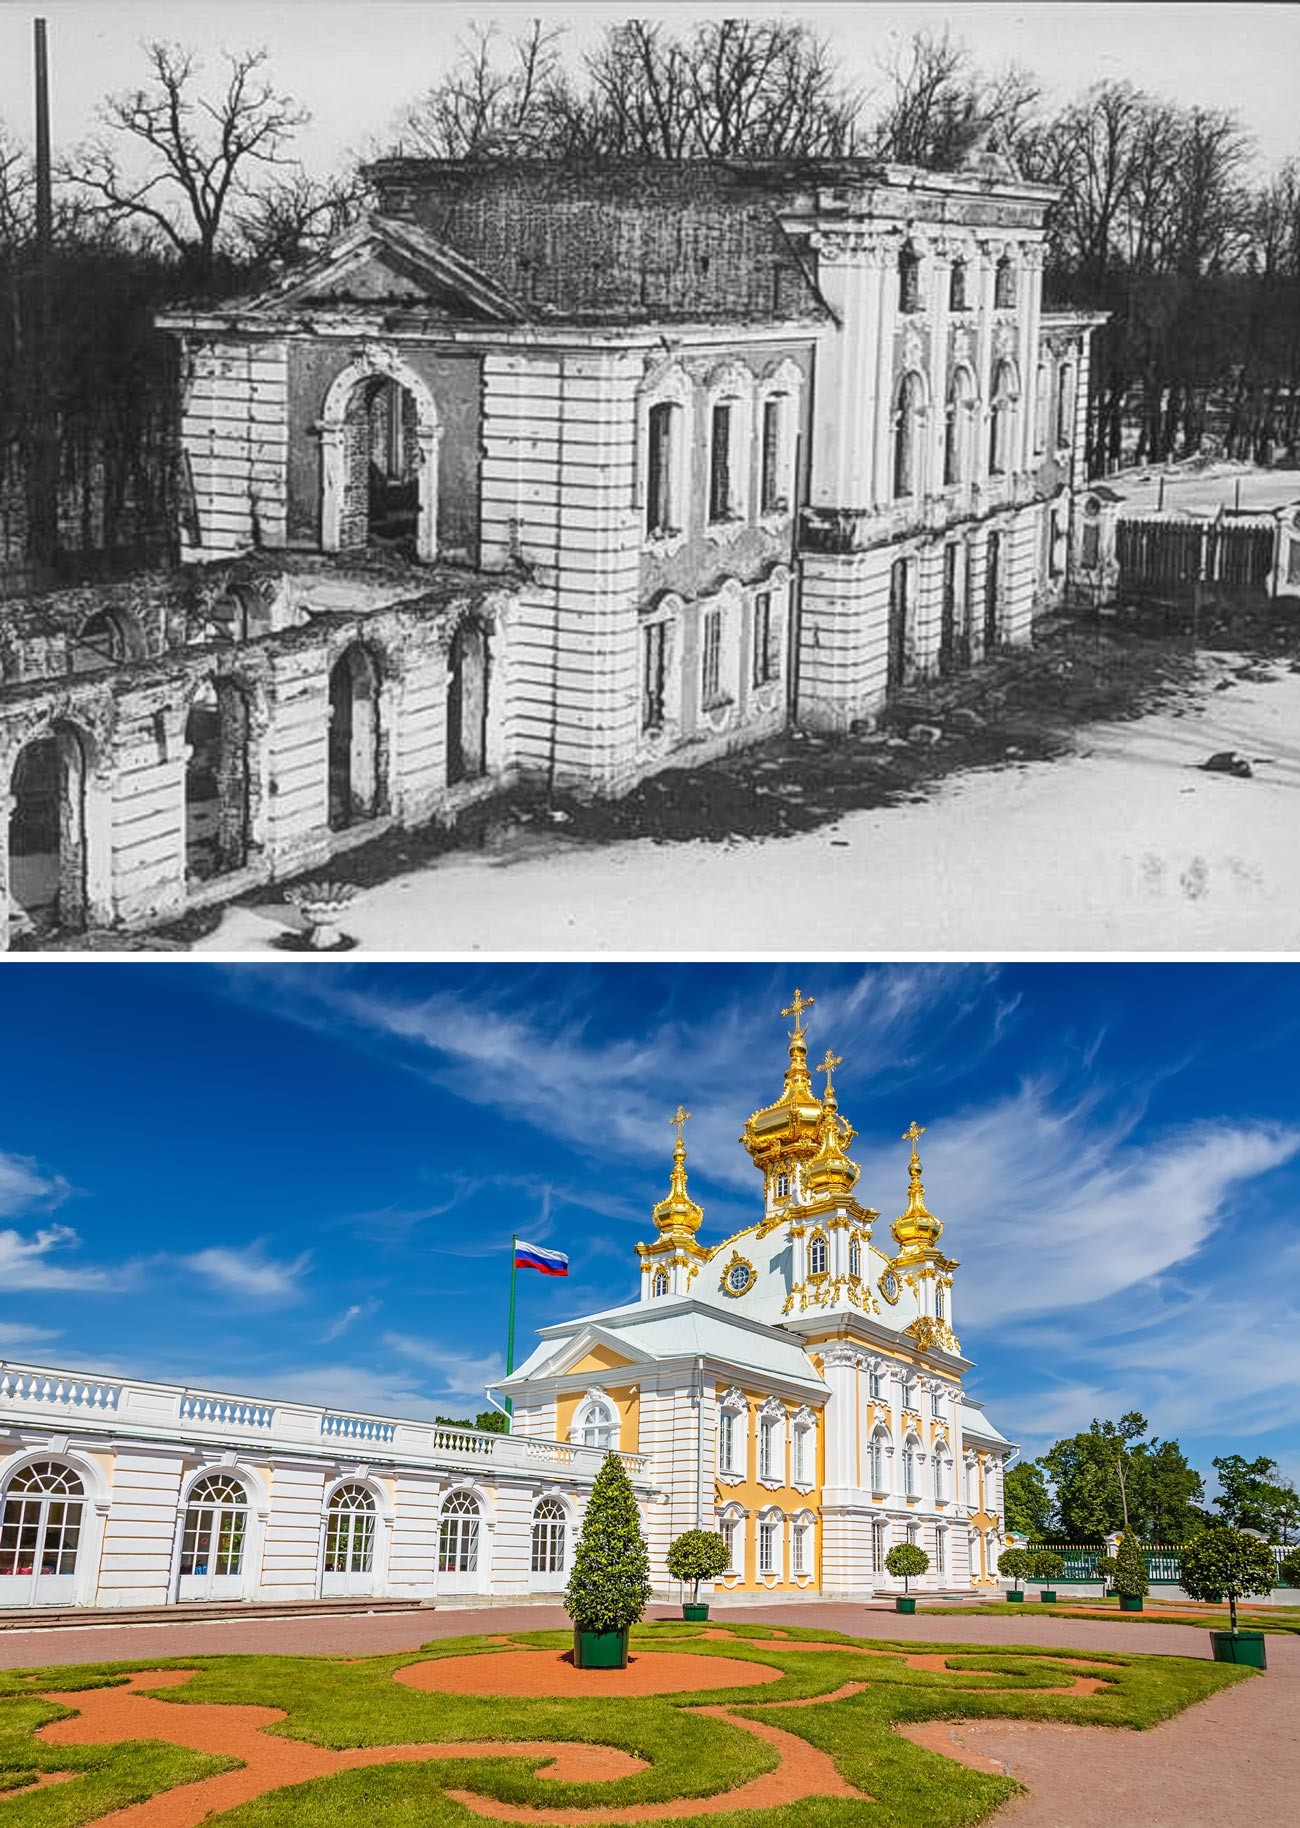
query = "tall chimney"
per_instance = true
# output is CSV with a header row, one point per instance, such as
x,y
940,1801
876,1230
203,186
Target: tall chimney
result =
x,y
43,488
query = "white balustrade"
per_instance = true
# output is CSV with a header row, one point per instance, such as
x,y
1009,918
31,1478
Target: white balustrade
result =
x,y
356,1428
56,1389
229,1412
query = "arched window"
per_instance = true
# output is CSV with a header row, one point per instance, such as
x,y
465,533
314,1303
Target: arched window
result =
x,y
940,1478
907,419
938,1301
958,416
217,775
771,1445
769,1542
782,1186
550,1524
40,1530
817,1256
855,1257
1004,284
910,1446
1002,419
216,1522
350,1531
909,279
972,1485
731,1528
879,1441
1042,405
353,738
108,637
458,1535
468,686
598,1426
957,287
661,1282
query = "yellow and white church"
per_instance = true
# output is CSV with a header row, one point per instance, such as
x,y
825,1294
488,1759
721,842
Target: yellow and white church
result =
x,y
798,1387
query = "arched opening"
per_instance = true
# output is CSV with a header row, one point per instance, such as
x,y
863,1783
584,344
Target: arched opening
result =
x,y
818,1255
660,1283
598,1425
216,781
40,1533
349,1542
954,640
909,279
458,1543
1065,407
958,417
213,1539
879,1443
907,422
467,704
47,833
354,786
107,638
1004,284
381,466
549,1543
911,1448
1002,420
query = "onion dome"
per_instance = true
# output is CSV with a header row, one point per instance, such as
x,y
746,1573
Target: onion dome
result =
x,y
917,1230
790,1129
830,1171
677,1217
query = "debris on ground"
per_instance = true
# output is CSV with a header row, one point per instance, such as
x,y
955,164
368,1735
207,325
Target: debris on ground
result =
x,y
1227,761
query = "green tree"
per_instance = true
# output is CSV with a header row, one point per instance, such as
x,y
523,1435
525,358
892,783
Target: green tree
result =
x,y
697,1555
1028,1499
1014,1563
610,1582
1288,1573
1130,1567
1223,1560
1045,1565
1111,1477
1250,1494
906,1559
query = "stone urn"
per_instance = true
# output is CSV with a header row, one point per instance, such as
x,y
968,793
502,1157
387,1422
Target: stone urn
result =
x,y
321,906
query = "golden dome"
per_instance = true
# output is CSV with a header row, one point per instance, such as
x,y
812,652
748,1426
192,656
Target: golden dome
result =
x,y
830,1171
678,1216
789,1129
917,1230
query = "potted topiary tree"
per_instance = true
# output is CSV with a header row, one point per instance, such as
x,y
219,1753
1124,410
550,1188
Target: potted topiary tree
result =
x,y
697,1555
906,1559
1222,1560
1130,1573
1288,1571
1105,1572
610,1582
1046,1565
1014,1563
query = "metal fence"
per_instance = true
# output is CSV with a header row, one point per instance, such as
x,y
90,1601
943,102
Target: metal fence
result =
x,y
1164,1568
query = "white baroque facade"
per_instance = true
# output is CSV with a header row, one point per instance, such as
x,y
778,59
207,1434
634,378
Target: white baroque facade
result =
x,y
797,1386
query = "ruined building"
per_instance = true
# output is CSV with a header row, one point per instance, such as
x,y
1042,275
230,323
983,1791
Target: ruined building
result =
x,y
550,473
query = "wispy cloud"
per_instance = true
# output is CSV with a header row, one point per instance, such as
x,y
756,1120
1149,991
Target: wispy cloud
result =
x,y
249,1272
39,1261
458,1374
17,1337
24,1186
359,1310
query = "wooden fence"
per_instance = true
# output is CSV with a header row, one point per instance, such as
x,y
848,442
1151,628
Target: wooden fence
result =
x,y
1172,557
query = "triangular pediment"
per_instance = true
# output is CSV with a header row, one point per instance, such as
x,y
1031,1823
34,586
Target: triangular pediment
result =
x,y
385,263
594,1351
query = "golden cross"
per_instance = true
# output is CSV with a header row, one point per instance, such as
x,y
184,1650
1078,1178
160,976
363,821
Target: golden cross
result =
x,y
829,1064
797,1008
679,1117
914,1134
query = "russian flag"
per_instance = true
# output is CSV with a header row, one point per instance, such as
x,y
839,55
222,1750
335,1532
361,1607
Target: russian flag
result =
x,y
532,1256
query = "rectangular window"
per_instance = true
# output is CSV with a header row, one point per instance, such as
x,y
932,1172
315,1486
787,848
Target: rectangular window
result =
x,y
940,1537
767,1548
875,1385
799,1549
1091,545
659,470
767,1451
909,1397
972,1487
801,1455
711,658
727,1441
767,641
878,1547
936,1403
727,1530
773,499
654,675
720,480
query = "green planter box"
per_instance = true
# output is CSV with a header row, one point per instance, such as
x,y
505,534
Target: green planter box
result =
x,y
599,1649
1130,1602
1047,1597
695,1611
1014,1597
1239,1647
904,1602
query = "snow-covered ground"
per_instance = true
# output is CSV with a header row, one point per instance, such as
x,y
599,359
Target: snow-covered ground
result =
x,y
1127,846
1203,491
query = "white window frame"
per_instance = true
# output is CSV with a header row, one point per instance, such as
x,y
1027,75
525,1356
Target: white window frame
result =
x,y
728,603
881,1450
911,1460
731,385
674,387
660,1284
816,1239
734,1404
803,1450
772,1426
771,1529
784,384
803,1545
583,1423
668,612
731,1527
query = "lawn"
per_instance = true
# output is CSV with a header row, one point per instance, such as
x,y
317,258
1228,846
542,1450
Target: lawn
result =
x,y
1281,1619
688,1754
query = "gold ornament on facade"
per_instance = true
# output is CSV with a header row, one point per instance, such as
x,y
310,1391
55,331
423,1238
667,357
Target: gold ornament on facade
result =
x,y
677,1218
917,1231
830,1172
888,1286
738,1276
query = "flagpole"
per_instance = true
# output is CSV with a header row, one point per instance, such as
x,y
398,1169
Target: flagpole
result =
x,y
510,1340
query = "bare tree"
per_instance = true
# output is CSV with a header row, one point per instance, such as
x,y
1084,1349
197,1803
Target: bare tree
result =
x,y
498,96
938,105
198,154
17,193
297,216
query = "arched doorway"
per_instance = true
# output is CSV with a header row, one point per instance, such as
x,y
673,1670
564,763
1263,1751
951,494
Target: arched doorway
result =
x,y
216,781
458,1544
349,1542
213,1541
353,739
467,704
40,1533
548,1559
381,455
47,831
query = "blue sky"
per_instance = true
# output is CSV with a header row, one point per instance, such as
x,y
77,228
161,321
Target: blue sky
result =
x,y
301,1181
